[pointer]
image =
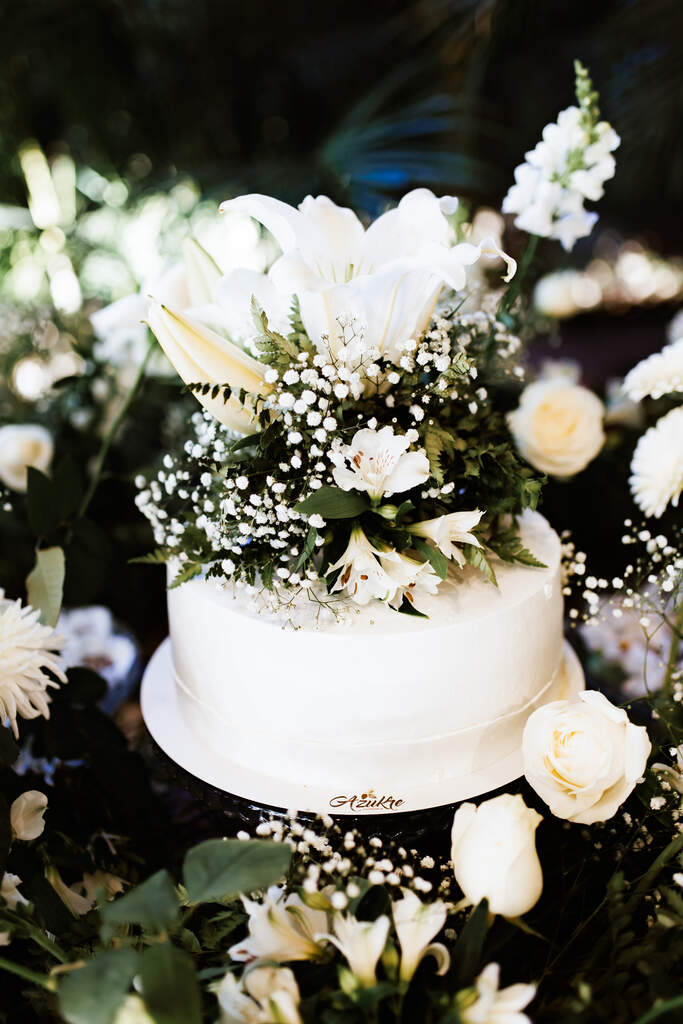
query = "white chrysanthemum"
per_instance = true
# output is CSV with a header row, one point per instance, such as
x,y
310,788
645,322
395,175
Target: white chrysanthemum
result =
x,y
27,650
659,374
657,465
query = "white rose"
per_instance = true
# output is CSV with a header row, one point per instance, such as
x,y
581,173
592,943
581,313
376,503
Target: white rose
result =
x,y
558,426
23,445
494,854
26,815
584,757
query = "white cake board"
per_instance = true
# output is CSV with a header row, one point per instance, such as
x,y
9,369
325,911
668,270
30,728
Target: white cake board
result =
x,y
163,717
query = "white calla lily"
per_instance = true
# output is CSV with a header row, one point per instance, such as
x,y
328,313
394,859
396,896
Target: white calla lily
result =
x,y
378,462
280,929
447,531
416,925
201,355
361,943
26,815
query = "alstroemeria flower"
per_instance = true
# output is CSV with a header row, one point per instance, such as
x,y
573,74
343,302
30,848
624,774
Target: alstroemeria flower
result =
x,y
361,943
362,575
280,929
386,278
416,925
413,579
486,1003
378,462
448,531
263,995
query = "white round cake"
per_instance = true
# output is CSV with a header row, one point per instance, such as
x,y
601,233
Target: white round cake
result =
x,y
371,710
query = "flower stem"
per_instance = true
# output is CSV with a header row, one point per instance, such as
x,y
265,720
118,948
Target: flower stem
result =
x,y
113,430
674,650
26,974
518,280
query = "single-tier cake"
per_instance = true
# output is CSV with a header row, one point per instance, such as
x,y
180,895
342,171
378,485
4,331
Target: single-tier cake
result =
x,y
374,709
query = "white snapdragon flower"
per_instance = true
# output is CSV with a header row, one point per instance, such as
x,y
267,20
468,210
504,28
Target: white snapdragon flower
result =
x,y
26,815
660,374
570,164
362,575
413,579
263,995
386,278
361,943
416,925
280,928
378,461
446,532
489,1004
657,466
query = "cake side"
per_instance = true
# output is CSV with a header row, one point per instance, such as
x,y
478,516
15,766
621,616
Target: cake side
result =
x,y
381,698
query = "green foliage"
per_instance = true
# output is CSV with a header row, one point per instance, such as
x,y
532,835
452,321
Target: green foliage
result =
x,y
274,349
220,868
45,584
506,543
169,985
94,992
436,559
477,557
152,905
334,503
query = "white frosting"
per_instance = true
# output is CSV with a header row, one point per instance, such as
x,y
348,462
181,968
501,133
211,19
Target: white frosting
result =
x,y
386,702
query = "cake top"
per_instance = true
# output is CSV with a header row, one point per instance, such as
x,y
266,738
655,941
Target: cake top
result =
x,y
464,596
359,431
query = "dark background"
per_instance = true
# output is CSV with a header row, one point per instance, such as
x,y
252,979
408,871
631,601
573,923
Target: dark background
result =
x,y
361,100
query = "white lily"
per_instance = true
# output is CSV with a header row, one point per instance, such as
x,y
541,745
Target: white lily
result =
x,y
201,355
448,531
26,815
488,1004
387,277
416,925
77,904
280,929
413,579
361,943
263,995
362,575
378,462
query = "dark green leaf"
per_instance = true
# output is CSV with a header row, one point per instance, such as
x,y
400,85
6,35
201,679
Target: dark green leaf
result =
x,y
407,608
333,503
220,868
43,513
468,949
93,994
67,485
438,562
5,832
89,560
188,573
169,985
45,584
9,748
307,549
476,557
153,905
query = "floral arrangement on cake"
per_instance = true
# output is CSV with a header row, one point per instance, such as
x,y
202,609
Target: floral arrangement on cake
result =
x,y
359,431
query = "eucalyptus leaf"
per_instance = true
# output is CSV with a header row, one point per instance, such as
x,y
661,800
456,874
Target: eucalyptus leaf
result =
x,y
169,985
219,868
93,994
334,503
45,584
153,905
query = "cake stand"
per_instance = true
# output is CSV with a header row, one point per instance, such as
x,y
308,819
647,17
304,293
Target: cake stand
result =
x,y
162,710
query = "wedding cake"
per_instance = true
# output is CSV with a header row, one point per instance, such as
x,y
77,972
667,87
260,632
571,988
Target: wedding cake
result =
x,y
364,605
